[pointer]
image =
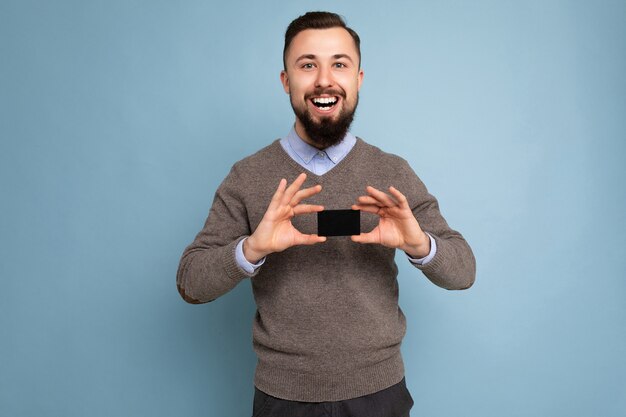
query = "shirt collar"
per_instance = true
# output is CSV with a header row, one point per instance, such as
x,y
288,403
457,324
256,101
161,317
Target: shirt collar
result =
x,y
306,152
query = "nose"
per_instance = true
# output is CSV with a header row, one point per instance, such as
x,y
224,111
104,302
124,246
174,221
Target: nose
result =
x,y
324,78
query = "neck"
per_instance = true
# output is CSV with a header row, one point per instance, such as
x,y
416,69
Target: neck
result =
x,y
304,136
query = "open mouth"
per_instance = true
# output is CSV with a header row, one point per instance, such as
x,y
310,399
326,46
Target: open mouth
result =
x,y
324,103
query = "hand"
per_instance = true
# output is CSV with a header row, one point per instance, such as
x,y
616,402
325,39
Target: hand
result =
x,y
397,227
275,233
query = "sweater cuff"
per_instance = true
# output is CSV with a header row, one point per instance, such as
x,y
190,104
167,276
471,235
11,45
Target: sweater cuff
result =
x,y
436,262
229,259
242,261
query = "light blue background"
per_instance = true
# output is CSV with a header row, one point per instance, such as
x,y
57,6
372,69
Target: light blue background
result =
x,y
120,118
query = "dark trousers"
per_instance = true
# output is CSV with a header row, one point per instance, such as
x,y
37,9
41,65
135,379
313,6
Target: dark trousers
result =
x,y
394,401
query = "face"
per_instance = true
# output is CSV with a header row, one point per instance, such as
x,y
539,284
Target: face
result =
x,y
323,79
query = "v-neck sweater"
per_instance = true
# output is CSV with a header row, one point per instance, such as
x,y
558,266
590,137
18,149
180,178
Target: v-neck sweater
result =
x,y
328,326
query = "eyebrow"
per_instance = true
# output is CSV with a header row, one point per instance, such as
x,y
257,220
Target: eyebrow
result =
x,y
336,56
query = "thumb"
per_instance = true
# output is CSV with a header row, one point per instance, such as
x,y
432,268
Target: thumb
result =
x,y
370,237
302,239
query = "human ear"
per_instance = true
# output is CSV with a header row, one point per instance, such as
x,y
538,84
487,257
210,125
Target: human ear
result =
x,y
360,79
284,79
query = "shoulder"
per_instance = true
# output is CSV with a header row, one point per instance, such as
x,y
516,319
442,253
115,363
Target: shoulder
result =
x,y
261,169
377,156
266,162
260,158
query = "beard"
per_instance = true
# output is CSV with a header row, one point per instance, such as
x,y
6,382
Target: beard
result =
x,y
326,131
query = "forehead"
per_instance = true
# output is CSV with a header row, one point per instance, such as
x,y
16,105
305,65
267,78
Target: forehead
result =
x,y
322,43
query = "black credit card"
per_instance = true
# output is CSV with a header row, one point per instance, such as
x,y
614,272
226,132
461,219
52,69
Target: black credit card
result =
x,y
339,222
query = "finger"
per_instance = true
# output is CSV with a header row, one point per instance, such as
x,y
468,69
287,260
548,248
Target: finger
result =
x,y
369,208
399,197
304,194
370,237
302,239
368,200
306,208
380,196
278,193
293,188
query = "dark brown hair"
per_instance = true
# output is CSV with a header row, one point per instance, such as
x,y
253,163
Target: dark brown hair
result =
x,y
318,20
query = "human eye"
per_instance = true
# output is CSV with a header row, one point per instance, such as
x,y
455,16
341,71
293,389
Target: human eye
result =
x,y
307,66
340,65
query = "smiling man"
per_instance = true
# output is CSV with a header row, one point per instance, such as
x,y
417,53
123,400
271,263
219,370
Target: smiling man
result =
x,y
328,327
322,77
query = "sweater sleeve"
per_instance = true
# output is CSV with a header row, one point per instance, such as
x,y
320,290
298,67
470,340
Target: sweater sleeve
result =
x,y
454,265
208,267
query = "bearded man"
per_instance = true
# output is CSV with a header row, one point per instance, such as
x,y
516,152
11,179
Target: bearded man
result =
x,y
328,327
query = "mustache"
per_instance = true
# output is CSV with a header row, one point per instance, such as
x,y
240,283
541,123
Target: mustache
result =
x,y
329,91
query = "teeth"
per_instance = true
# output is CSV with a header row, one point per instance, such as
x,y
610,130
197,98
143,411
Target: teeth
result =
x,y
325,100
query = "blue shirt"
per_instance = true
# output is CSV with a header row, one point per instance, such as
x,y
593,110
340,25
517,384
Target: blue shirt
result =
x,y
316,160
319,162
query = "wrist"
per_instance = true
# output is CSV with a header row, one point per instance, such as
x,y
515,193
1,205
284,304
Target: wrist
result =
x,y
419,250
251,251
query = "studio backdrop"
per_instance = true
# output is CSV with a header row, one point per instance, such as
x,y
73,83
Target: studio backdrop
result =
x,y
119,119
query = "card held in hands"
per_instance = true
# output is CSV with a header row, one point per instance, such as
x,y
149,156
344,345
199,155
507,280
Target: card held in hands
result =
x,y
339,222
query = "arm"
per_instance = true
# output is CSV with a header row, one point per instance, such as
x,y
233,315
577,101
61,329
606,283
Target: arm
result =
x,y
209,267
454,265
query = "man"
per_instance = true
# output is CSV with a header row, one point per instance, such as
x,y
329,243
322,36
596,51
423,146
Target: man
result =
x,y
328,328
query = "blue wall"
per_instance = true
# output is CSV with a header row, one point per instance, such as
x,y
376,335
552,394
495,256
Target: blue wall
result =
x,y
120,118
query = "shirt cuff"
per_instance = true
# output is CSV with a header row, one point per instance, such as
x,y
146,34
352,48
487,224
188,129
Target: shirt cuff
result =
x,y
243,262
429,257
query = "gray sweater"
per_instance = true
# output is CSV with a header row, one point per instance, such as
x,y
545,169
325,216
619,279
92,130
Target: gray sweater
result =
x,y
328,326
